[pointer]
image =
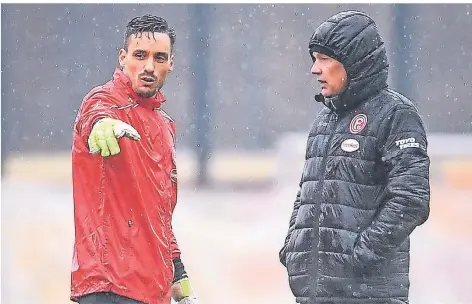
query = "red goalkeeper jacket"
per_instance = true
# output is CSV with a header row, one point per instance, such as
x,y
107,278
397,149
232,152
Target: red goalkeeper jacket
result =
x,y
123,204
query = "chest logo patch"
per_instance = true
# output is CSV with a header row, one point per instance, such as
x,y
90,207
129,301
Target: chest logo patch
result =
x,y
350,145
358,123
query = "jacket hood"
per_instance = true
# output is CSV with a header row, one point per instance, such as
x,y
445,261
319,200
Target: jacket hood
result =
x,y
352,38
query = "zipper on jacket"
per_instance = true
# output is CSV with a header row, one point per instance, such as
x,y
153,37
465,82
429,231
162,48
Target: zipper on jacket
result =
x,y
317,212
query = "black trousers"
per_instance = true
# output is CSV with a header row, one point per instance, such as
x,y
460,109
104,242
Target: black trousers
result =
x,y
106,298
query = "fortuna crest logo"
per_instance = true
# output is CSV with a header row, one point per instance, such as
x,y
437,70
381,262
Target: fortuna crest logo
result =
x,y
358,123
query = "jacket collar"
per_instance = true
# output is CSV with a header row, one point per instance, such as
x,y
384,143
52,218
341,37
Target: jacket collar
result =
x,y
355,94
123,81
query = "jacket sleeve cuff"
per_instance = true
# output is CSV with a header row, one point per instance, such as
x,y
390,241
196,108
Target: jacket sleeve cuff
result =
x,y
283,255
179,270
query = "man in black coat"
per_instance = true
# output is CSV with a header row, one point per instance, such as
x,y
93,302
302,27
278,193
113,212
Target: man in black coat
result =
x,y
365,183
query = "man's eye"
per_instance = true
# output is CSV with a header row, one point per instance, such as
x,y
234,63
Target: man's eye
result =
x,y
139,55
161,58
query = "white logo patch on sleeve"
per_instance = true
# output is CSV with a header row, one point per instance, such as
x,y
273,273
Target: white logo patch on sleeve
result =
x,y
407,143
350,145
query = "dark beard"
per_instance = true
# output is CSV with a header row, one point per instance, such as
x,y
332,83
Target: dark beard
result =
x,y
147,94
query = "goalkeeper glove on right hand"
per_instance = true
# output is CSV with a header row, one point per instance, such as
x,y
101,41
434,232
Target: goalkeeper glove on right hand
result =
x,y
104,134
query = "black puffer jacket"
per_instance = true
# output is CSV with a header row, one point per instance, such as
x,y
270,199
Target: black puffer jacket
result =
x,y
365,183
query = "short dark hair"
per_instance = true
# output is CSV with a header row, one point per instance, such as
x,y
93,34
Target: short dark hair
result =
x,y
148,24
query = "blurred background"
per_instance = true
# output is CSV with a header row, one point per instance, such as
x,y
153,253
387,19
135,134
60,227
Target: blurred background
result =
x,y
242,97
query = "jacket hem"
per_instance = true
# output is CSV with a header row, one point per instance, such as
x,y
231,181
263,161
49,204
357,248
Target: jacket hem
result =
x,y
121,292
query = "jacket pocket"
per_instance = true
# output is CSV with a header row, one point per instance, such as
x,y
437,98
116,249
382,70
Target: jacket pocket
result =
x,y
97,243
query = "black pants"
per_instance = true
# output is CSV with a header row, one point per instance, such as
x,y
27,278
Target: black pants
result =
x,y
106,298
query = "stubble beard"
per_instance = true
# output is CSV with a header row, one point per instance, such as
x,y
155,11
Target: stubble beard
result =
x,y
147,94
151,93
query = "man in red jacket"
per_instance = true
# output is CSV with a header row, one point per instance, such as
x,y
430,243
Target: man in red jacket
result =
x,y
125,180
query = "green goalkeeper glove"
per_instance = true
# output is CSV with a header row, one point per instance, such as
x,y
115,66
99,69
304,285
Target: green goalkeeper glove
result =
x,y
104,134
182,292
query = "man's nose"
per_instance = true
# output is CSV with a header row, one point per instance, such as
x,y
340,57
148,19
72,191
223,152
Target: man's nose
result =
x,y
149,66
315,70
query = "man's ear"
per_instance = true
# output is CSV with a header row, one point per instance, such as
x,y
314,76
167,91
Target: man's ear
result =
x,y
171,66
121,57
